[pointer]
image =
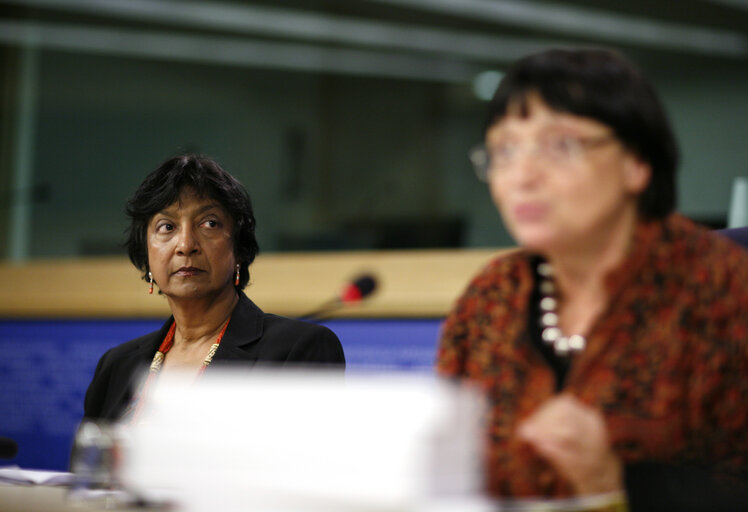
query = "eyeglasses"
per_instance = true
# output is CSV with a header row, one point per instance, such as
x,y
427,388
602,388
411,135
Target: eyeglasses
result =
x,y
560,151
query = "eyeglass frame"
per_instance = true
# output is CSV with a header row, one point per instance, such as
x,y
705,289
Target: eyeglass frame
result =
x,y
480,160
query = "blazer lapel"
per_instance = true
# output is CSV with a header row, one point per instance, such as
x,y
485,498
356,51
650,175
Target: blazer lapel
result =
x,y
124,383
244,329
151,342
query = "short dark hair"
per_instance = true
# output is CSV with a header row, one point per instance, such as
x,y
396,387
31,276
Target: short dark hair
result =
x,y
208,179
604,86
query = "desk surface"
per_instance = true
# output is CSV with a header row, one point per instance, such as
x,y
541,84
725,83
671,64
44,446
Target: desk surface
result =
x,y
18,498
37,498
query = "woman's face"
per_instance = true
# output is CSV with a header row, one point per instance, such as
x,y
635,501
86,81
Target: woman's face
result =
x,y
190,247
561,180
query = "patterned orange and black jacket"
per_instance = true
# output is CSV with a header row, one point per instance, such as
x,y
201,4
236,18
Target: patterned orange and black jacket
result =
x,y
667,363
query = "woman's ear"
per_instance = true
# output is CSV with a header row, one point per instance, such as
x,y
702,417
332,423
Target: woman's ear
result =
x,y
637,174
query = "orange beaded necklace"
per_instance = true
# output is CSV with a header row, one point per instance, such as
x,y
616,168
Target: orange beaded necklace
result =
x,y
158,361
158,358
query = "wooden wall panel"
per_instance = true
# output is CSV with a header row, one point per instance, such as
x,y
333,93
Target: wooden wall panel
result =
x,y
411,284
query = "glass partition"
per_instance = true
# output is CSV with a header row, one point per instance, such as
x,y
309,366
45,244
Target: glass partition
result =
x,y
348,122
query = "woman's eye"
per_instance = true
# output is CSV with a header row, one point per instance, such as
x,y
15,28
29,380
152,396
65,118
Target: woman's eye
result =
x,y
561,146
165,227
502,153
211,223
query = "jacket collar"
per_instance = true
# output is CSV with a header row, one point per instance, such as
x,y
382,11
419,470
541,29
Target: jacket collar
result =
x,y
245,327
152,341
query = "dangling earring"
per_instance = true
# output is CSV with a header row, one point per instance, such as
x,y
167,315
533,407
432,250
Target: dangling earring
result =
x,y
150,280
236,279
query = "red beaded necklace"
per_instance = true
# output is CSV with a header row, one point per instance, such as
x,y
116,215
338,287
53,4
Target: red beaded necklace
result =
x,y
158,361
158,358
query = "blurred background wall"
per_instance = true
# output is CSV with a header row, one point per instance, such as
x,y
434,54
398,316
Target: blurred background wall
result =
x,y
348,121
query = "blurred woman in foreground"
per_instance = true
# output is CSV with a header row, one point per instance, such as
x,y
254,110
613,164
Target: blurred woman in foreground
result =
x,y
613,345
192,234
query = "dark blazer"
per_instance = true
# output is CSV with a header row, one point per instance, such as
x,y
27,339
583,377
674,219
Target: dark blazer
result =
x,y
251,337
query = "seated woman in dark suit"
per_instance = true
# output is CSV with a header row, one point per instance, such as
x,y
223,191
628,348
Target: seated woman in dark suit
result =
x,y
192,234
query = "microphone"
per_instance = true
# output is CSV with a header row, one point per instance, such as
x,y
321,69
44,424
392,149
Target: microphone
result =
x,y
359,289
353,292
8,448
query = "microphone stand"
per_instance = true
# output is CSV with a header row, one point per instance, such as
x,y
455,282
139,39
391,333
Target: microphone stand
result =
x,y
324,311
354,293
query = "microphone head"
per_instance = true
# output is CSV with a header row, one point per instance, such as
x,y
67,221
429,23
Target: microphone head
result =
x,y
366,284
358,289
8,448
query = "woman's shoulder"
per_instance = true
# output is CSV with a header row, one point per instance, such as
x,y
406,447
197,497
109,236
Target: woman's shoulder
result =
x,y
505,279
132,348
249,315
704,265
284,324
508,270
299,341
701,251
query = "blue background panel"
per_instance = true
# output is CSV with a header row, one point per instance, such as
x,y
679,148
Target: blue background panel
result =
x,y
46,366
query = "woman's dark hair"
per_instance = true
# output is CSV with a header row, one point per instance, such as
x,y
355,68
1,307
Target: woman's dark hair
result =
x,y
162,187
602,85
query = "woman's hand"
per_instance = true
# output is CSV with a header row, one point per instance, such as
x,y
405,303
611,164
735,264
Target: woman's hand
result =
x,y
573,437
